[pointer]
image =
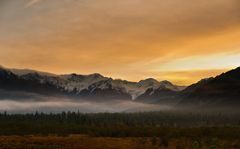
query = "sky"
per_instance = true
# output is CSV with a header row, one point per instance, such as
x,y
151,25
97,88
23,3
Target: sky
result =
x,y
181,41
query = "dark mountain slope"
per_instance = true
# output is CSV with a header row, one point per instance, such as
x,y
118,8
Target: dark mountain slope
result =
x,y
221,90
166,93
12,82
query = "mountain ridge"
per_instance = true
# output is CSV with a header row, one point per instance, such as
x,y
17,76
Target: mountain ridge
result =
x,y
223,89
82,86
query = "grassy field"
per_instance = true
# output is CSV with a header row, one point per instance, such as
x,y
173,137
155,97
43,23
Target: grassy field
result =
x,y
85,142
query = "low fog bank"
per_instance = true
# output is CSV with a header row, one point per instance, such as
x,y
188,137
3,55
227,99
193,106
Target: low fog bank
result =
x,y
48,104
56,105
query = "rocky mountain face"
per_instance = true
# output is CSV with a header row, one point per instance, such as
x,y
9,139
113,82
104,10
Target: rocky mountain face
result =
x,y
165,93
26,84
93,86
31,83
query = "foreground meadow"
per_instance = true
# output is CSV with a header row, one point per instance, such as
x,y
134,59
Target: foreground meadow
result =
x,y
85,142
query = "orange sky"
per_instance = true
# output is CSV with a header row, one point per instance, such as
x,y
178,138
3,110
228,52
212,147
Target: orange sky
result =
x,y
177,40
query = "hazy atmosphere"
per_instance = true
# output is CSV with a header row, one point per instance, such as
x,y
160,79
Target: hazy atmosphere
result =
x,y
57,106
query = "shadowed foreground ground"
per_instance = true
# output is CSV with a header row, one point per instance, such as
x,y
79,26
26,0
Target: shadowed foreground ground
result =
x,y
85,142
150,130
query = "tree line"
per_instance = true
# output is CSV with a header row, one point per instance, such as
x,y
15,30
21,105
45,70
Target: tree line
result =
x,y
119,124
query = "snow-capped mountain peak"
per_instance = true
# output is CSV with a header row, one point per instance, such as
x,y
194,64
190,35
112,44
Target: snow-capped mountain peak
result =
x,y
77,83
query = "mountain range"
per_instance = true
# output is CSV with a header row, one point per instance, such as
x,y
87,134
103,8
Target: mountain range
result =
x,y
22,84
91,87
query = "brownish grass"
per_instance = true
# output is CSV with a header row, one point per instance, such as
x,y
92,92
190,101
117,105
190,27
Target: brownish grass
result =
x,y
85,142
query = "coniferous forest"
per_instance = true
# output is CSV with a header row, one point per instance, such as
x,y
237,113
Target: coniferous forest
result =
x,y
146,130
143,124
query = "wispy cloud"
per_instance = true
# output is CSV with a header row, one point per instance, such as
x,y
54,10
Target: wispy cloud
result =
x,y
31,3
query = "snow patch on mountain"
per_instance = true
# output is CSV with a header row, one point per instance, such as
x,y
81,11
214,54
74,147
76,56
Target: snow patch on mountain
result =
x,y
76,83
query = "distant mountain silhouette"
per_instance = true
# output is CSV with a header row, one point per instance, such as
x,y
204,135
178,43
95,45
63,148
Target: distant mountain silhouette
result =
x,y
221,90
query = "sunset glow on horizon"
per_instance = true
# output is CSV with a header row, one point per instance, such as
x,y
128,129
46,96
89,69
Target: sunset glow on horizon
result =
x,y
181,41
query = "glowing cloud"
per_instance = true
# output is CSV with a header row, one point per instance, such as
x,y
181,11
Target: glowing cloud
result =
x,y
130,39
